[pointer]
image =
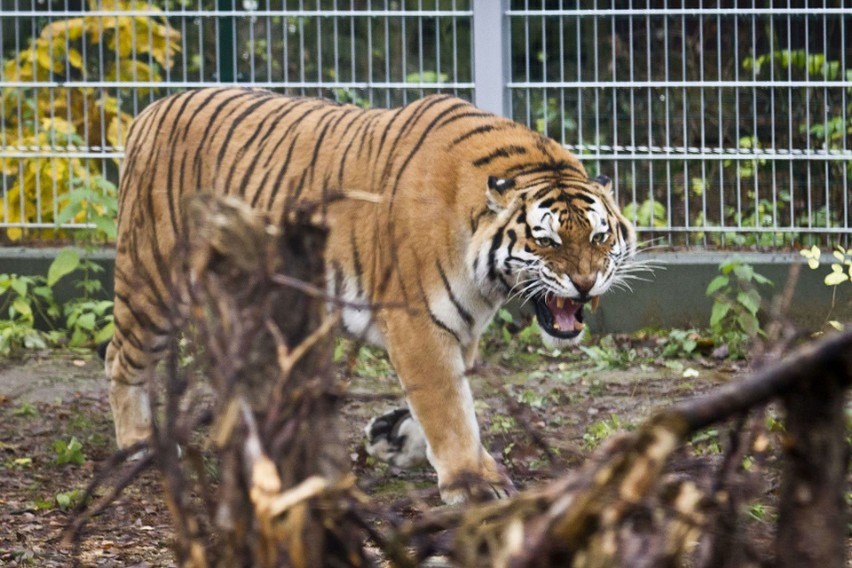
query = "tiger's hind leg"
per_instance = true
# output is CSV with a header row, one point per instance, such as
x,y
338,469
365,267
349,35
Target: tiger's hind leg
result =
x,y
131,356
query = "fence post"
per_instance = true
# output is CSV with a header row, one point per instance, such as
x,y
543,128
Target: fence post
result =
x,y
491,62
225,43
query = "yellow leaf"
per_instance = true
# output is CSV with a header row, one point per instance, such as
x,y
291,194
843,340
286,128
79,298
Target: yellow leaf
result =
x,y
67,30
109,104
75,58
9,167
836,325
117,131
838,255
58,125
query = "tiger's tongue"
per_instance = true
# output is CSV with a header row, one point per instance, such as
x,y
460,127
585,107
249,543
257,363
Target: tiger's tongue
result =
x,y
564,313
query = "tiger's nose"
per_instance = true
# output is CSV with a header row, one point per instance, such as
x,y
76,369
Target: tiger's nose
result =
x,y
584,283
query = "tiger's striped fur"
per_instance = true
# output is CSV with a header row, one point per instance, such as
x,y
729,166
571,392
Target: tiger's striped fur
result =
x,y
471,209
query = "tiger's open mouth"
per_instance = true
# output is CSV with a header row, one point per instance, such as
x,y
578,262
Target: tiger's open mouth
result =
x,y
561,317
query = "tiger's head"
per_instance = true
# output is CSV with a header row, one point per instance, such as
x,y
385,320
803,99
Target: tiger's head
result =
x,y
557,240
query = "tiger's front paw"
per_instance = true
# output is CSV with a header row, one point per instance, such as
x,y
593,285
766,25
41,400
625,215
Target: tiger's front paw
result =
x,y
396,438
489,483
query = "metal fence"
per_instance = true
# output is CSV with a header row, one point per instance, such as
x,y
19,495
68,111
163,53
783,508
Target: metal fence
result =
x,y
722,123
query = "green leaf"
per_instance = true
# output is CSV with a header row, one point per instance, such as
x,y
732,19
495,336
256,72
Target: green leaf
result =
x,y
749,300
505,315
106,226
744,272
78,338
65,263
108,331
720,310
86,321
43,292
22,307
748,323
760,279
63,500
717,283
19,285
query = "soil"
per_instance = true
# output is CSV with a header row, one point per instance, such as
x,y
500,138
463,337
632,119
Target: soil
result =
x,y
571,402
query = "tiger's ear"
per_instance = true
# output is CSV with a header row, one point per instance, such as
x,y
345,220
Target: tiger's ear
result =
x,y
496,192
605,183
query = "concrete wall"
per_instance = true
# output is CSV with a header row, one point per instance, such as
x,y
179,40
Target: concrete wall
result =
x,y
672,298
675,296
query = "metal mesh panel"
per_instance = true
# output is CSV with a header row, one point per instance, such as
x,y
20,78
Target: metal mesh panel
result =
x,y
75,73
720,122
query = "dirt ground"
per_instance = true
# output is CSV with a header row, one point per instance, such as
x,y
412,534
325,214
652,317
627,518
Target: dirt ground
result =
x,y
572,401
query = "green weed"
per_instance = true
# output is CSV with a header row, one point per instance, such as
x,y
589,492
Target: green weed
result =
x,y
736,302
599,431
68,452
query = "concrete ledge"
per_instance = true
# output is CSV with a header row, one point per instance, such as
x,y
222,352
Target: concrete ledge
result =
x,y
675,296
672,298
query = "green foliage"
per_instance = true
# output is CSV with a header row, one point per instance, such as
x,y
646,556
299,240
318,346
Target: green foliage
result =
x,y
534,398
599,431
761,513
502,424
114,48
68,452
680,343
706,442
369,361
514,339
650,213
22,299
68,500
841,270
607,355
81,321
26,410
736,302
747,168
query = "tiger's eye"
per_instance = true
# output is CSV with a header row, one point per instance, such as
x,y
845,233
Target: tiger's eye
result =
x,y
600,238
545,242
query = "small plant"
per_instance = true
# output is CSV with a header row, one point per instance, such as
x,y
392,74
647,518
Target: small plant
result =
x,y
18,463
841,271
536,399
706,442
514,339
680,343
736,302
761,513
608,355
599,431
26,410
22,300
68,452
502,424
69,499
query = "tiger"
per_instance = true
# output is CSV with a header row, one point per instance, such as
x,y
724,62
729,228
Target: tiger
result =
x,y
469,209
